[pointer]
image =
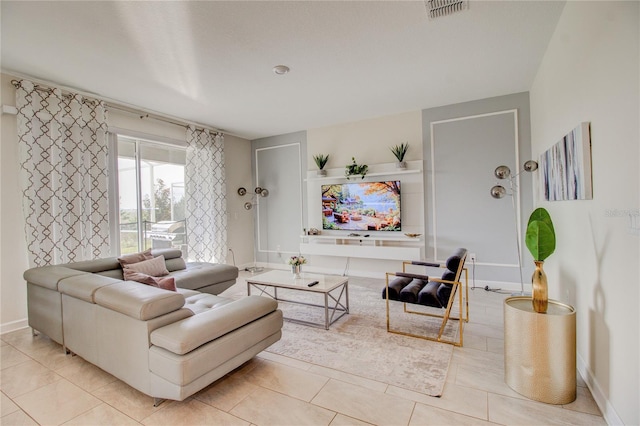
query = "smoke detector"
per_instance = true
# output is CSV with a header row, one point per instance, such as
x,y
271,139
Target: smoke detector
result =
x,y
438,8
281,69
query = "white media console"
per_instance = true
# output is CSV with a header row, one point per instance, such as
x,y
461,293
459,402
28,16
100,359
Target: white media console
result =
x,y
373,247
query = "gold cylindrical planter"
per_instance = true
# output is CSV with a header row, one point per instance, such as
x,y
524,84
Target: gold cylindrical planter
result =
x,y
540,350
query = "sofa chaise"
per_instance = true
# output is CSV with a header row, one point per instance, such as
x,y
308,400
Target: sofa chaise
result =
x,y
166,344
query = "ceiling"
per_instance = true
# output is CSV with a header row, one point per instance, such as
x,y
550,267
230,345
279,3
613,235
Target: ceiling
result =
x,y
211,62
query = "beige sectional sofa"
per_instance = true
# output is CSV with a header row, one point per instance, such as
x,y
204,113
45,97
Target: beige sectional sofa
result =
x,y
166,344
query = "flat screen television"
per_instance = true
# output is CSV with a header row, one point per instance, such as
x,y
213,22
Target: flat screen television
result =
x,y
362,206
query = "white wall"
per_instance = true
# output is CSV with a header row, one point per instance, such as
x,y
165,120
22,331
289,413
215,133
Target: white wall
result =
x,y
590,72
13,249
237,155
469,140
367,140
277,163
13,257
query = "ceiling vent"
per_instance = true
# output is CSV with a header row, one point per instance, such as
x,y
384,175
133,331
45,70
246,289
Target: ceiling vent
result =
x,y
438,8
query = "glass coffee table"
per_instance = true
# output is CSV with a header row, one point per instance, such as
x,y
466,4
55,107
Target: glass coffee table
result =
x,y
335,290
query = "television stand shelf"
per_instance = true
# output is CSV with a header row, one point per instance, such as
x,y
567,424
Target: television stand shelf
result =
x,y
373,247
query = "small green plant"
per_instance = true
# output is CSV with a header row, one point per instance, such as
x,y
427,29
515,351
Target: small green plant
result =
x,y
540,237
400,151
355,169
328,225
321,160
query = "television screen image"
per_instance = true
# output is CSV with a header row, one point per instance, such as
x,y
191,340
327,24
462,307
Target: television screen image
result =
x,y
363,206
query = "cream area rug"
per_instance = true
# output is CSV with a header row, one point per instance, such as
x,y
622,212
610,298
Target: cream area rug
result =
x,y
359,343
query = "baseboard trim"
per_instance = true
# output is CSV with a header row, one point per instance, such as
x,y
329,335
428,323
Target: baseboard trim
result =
x,y
13,326
608,412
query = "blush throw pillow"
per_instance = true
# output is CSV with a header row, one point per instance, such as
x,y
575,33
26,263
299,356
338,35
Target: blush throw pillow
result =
x,y
154,267
129,259
167,283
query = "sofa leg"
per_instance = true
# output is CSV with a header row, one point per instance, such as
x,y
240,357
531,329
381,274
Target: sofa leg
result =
x,y
34,332
158,401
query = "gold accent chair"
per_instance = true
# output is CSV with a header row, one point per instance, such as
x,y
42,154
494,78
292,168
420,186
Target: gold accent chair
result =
x,y
411,288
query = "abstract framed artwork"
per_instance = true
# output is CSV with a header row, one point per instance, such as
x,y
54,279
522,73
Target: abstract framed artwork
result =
x,y
566,167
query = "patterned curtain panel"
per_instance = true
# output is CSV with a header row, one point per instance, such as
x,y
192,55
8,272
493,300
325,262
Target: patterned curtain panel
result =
x,y
63,176
206,197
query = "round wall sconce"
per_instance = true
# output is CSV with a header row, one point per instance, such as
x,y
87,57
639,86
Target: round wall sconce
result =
x,y
242,191
502,172
263,192
259,191
498,191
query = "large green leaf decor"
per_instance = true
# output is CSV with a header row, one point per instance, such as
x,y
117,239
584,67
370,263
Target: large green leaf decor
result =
x,y
540,237
541,242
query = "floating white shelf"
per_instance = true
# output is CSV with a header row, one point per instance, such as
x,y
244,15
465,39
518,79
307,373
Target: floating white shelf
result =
x,y
357,178
384,169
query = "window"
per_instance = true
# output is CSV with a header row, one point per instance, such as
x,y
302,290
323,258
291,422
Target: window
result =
x,y
150,195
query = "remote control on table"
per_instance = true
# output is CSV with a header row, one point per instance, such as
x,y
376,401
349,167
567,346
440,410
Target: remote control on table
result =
x,y
311,284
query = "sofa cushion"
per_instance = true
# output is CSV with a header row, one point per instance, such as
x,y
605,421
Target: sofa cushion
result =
x,y
184,336
154,267
168,253
49,276
84,286
172,258
96,265
218,353
201,274
201,302
139,301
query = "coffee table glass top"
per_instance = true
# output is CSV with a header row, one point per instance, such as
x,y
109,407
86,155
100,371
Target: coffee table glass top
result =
x,y
286,279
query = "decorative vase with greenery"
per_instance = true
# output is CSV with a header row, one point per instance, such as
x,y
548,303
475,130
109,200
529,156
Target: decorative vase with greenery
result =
x,y
354,169
541,242
321,161
399,151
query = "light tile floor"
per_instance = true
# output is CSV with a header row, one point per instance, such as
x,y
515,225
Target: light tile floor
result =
x,y
41,385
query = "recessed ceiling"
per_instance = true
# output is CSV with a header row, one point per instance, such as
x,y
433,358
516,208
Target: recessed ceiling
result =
x,y
212,62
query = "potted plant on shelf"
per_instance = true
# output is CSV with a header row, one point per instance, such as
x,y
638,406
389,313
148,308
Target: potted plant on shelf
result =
x,y
541,242
321,161
354,169
400,151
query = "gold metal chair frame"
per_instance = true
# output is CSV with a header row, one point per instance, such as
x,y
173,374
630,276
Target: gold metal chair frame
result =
x,y
447,314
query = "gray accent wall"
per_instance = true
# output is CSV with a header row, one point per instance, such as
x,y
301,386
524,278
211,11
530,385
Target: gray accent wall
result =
x,y
463,144
277,165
